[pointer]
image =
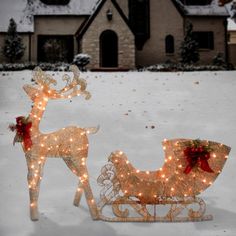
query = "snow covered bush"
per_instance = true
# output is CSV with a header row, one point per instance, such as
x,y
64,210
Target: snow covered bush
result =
x,y
185,67
219,60
13,48
81,60
60,66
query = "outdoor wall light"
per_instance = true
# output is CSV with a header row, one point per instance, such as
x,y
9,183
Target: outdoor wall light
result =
x,y
109,14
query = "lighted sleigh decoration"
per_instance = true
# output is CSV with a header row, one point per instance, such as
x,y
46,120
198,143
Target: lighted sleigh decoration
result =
x,y
190,165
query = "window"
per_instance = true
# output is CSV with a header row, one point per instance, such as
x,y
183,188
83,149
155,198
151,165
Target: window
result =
x,y
53,48
196,2
55,2
205,39
170,46
139,20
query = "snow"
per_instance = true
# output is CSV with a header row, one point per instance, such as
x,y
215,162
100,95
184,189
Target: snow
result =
x,y
231,25
13,9
189,105
212,9
23,13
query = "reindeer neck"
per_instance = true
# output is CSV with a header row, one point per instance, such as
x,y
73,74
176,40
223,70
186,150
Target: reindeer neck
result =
x,y
36,113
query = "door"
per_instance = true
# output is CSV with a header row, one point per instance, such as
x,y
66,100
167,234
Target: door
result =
x,y
108,49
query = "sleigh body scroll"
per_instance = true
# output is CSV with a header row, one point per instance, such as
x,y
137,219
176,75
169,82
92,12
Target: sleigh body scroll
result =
x,y
166,195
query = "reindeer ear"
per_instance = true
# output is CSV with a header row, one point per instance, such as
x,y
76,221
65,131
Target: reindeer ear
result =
x,y
31,91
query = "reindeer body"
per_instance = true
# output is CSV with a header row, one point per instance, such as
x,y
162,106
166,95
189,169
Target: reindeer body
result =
x,y
63,141
69,143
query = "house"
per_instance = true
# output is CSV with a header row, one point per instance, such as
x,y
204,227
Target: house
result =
x,y
232,41
117,34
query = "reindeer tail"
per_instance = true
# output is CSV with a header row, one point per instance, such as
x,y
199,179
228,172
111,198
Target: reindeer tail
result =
x,y
92,130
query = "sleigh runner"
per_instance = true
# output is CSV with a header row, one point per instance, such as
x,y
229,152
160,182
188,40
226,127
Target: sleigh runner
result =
x,y
142,193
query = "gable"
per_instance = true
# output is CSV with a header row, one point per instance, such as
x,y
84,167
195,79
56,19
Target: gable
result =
x,y
85,26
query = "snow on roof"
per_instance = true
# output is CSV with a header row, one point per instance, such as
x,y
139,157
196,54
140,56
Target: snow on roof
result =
x,y
24,10
212,9
12,9
231,25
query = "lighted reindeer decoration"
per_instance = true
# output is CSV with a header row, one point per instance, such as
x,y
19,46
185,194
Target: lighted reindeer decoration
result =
x,y
69,143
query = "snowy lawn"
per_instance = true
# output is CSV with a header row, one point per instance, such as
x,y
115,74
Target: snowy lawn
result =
x,y
135,111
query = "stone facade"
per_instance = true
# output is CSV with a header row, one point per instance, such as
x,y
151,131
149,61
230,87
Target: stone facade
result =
x,y
124,5
126,48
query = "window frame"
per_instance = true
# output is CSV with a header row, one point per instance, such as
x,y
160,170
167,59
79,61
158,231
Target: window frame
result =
x,y
196,2
169,44
56,2
42,39
204,43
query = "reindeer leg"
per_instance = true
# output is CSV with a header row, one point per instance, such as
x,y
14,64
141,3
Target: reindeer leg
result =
x,y
78,194
35,172
84,178
79,168
79,190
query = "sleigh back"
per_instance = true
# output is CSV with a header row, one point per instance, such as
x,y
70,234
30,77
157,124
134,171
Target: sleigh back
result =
x,y
196,179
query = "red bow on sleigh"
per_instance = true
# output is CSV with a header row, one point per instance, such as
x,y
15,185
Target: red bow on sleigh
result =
x,y
197,156
22,128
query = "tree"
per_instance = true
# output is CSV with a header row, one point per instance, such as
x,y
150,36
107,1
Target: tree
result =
x,y
189,47
13,46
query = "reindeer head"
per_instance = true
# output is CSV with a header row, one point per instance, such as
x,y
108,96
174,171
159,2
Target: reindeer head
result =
x,y
44,81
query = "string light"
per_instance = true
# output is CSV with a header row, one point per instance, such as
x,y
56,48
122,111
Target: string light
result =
x,y
168,186
67,142
71,143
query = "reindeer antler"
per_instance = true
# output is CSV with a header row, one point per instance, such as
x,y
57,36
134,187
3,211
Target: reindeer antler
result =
x,y
73,85
44,80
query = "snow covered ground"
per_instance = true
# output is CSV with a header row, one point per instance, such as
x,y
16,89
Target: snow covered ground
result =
x,y
135,111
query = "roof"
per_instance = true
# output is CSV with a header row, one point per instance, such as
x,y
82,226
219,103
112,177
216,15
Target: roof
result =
x,y
212,9
179,6
89,21
231,25
23,11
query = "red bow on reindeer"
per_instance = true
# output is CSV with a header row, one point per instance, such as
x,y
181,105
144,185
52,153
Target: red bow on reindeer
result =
x,y
22,129
197,156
